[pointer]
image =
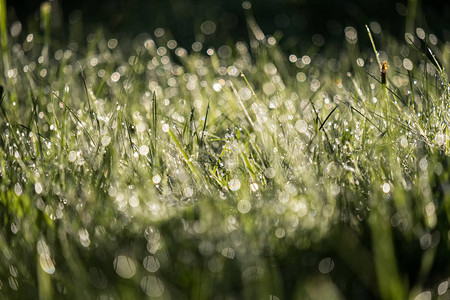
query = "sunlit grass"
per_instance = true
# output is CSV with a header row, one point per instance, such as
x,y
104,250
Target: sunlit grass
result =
x,y
242,171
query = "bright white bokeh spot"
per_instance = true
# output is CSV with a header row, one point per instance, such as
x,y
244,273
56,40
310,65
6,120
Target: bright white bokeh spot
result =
x,y
152,286
301,126
424,296
106,140
386,187
440,139
423,164
47,264
140,127
404,142
280,232
156,179
143,150
326,265
234,185
165,127
360,62
270,173
18,189
443,287
254,187
38,187
228,252
217,87
244,206
133,201
72,156
420,33
151,263
188,192
115,77
124,266
244,93
407,64
208,27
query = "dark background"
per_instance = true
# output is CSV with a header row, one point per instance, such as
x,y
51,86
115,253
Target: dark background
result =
x,y
297,20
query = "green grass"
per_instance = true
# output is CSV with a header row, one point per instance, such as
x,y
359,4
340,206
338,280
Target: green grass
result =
x,y
151,170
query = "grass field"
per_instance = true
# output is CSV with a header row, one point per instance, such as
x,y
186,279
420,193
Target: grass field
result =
x,y
150,170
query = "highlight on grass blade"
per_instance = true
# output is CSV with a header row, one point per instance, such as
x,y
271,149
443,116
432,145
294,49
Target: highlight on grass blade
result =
x,y
383,71
377,55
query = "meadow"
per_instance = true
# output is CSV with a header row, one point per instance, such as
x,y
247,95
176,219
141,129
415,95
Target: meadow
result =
x,y
151,170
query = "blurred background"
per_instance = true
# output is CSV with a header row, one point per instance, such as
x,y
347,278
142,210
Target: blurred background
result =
x,y
297,23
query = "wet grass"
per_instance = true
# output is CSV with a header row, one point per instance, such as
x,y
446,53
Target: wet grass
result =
x,y
237,172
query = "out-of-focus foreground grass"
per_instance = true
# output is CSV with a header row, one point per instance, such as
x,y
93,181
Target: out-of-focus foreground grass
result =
x,y
237,172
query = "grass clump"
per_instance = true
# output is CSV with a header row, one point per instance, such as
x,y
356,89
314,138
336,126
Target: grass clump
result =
x,y
163,173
